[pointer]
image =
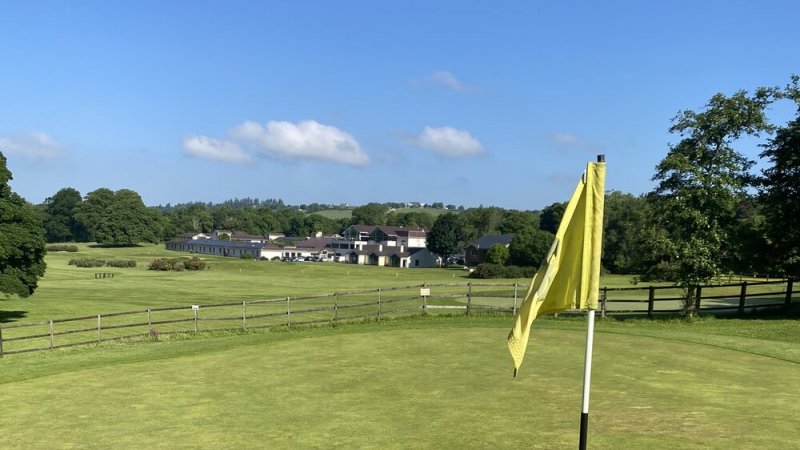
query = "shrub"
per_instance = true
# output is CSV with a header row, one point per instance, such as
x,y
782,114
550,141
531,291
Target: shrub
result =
x,y
62,248
245,256
121,263
498,271
162,264
86,262
194,263
276,258
165,264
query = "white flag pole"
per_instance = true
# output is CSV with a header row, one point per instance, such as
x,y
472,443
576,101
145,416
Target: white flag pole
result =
x,y
587,367
587,376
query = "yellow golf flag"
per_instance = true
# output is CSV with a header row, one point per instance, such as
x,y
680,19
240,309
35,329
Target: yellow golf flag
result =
x,y
570,276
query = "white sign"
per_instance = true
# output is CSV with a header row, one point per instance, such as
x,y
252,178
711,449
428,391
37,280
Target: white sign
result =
x,y
195,307
424,292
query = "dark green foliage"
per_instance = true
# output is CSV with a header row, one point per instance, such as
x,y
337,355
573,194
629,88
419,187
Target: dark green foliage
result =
x,y
410,219
700,183
62,248
551,217
22,241
245,256
529,248
87,262
479,222
59,217
444,238
497,255
370,214
121,263
487,271
780,190
625,219
118,218
514,222
177,264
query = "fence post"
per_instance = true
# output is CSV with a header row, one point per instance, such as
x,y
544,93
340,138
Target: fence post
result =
x,y
196,328
789,289
424,301
603,301
335,306
149,323
379,304
52,338
469,297
651,300
288,312
742,297
244,315
697,298
98,328
515,299
1,340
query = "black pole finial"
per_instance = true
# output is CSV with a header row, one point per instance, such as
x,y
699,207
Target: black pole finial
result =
x,y
601,158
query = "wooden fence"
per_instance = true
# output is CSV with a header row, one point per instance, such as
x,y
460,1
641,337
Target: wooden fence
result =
x,y
24,337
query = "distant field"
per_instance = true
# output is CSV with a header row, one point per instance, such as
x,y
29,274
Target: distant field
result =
x,y
415,383
336,214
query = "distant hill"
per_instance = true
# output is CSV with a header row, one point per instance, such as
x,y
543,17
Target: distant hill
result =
x,y
346,213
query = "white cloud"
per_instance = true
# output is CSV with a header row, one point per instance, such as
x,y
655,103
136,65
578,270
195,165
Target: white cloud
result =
x,y
33,146
442,78
209,148
566,141
448,141
307,139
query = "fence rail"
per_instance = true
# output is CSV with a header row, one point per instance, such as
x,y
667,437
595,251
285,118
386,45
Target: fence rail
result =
x,y
382,303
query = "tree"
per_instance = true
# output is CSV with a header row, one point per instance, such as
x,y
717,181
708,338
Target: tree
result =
x,y
551,217
780,190
498,254
518,221
478,222
530,247
624,218
369,214
444,239
118,218
22,243
700,182
59,217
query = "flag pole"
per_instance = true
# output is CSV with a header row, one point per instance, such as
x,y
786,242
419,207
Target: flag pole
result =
x,y
587,367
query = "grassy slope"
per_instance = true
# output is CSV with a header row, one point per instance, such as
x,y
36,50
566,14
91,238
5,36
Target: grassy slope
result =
x,y
348,213
433,383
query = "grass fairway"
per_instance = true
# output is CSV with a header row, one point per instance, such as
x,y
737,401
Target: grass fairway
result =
x,y
414,383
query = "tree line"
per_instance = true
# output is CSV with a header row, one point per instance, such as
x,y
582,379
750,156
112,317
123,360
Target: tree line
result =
x,y
709,213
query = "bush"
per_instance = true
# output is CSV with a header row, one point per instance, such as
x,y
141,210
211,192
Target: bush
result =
x,y
245,256
87,262
486,271
162,264
62,248
165,264
121,263
276,258
194,263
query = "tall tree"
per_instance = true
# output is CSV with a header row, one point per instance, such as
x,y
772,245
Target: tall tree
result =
x,y
444,238
551,217
700,182
59,216
22,243
118,218
530,247
370,214
780,189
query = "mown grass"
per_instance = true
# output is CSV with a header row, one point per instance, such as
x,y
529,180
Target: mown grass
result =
x,y
426,382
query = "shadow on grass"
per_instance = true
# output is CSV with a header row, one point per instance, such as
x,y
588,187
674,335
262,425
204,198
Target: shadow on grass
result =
x,y
770,313
11,316
113,245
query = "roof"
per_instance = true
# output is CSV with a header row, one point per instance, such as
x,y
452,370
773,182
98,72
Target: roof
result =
x,y
491,240
225,244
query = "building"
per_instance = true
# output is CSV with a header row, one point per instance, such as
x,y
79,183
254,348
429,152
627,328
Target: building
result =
x,y
475,253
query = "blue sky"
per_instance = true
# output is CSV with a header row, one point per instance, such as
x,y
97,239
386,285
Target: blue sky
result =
x,y
470,103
